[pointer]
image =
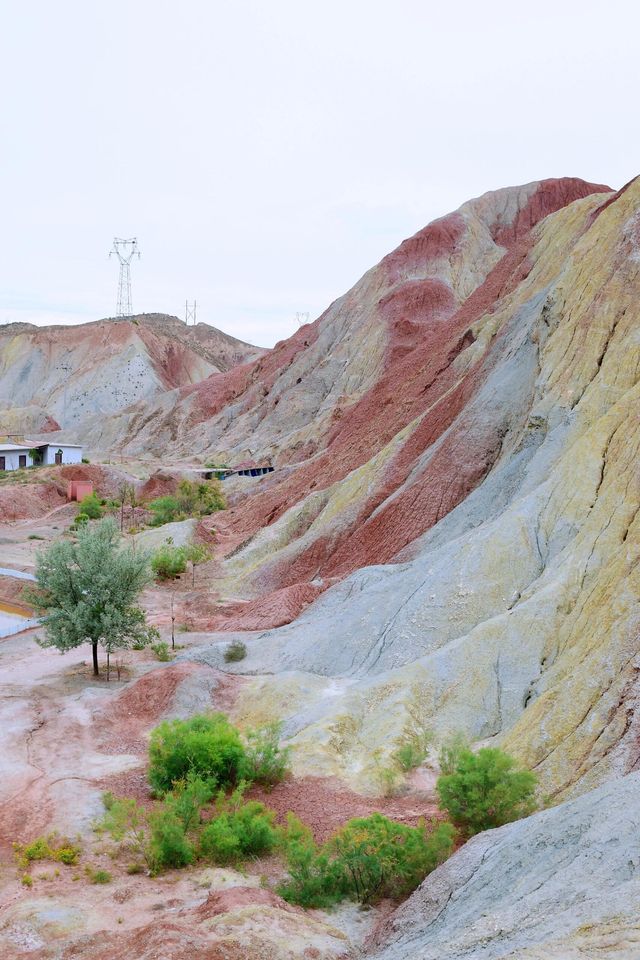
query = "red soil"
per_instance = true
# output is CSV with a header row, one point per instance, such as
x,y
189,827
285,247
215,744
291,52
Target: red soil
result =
x,y
223,901
28,501
324,804
274,610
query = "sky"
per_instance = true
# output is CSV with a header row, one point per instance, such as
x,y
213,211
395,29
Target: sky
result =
x,y
266,154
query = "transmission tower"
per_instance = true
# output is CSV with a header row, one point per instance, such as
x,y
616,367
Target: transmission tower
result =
x,y
190,313
302,318
125,251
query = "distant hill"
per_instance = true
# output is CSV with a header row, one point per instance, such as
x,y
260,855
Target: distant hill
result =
x,y
65,373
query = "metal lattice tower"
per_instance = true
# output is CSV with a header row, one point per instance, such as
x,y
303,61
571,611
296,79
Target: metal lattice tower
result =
x,y
125,251
190,313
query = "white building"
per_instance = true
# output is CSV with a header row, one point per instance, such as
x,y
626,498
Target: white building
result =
x,y
14,456
60,453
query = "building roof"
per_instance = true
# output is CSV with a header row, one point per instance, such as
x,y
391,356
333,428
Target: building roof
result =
x,y
60,443
6,447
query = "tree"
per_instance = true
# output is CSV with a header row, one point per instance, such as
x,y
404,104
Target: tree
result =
x,y
487,789
126,495
196,553
87,591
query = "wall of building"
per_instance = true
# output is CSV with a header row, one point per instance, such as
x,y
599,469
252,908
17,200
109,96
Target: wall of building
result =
x,y
12,458
69,454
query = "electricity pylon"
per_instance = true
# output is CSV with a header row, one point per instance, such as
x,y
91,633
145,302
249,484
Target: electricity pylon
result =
x,y
190,313
125,251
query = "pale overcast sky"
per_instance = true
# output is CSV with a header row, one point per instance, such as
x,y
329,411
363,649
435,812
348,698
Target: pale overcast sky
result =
x,y
266,154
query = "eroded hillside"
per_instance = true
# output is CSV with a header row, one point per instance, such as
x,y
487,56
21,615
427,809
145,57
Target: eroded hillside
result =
x,y
452,523
58,376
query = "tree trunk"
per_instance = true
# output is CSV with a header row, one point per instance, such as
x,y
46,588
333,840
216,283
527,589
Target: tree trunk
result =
x,y
96,671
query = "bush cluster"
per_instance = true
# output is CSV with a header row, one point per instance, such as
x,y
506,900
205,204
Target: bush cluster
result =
x,y
192,499
367,859
174,834
209,747
51,847
168,562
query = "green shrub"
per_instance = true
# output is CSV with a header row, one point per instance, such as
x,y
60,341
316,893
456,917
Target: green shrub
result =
x,y
413,744
312,878
165,510
86,460
236,650
149,637
127,822
265,761
377,857
35,536
387,776
90,505
187,799
101,876
80,520
51,847
168,562
161,650
486,790
367,859
26,880
450,751
191,499
168,846
239,830
206,746
410,755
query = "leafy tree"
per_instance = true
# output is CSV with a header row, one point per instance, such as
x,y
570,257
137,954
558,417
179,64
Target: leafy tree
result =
x,y
206,746
196,554
87,591
487,789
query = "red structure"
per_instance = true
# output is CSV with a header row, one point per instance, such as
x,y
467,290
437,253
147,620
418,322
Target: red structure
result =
x,y
77,489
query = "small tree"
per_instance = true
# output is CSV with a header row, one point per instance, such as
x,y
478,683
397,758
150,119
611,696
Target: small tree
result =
x,y
196,553
487,789
126,495
87,591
